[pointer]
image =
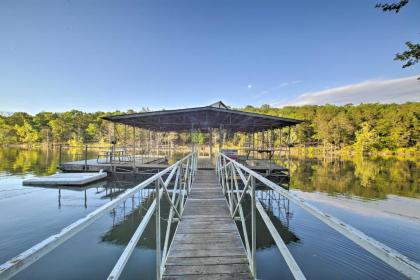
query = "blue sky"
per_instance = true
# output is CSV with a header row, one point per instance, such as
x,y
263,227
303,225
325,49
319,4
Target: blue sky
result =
x,y
107,55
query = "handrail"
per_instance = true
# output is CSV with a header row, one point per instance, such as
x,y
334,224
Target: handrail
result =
x,y
26,258
183,180
227,174
388,255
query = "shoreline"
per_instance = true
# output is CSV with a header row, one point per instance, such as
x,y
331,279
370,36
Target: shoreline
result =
x,y
306,152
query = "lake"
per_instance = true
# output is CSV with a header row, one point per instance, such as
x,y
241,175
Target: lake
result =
x,y
379,196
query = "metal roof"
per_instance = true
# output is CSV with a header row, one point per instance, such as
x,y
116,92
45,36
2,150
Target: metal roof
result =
x,y
202,118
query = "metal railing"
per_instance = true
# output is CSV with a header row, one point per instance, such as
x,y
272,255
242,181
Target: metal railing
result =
x,y
230,172
180,174
107,154
182,186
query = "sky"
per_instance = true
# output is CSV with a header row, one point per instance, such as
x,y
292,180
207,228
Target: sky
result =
x,y
108,55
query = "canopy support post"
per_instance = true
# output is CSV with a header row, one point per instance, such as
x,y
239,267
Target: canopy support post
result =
x,y
134,149
210,144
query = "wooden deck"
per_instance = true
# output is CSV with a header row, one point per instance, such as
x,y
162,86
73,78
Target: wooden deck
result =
x,y
205,164
207,244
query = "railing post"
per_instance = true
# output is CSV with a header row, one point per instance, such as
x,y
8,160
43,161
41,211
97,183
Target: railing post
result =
x,y
230,194
158,247
254,228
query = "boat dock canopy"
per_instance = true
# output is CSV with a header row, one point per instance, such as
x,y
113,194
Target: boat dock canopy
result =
x,y
216,115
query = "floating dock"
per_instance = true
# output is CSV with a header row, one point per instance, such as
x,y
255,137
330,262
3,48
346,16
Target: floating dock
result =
x,y
66,179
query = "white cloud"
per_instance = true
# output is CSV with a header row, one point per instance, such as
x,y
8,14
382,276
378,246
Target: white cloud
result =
x,y
288,84
371,91
282,85
250,86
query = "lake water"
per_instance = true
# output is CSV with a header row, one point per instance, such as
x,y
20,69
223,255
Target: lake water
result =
x,y
378,196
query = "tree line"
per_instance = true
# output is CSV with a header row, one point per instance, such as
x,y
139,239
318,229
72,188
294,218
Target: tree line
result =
x,y
364,127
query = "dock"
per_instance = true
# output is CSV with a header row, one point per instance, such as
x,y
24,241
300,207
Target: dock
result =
x,y
146,164
207,244
210,205
66,179
141,164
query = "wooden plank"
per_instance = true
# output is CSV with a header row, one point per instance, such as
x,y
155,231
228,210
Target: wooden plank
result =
x,y
206,260
208,253
206,230
207,244
198,222
218,276
209,235
205,227
206,269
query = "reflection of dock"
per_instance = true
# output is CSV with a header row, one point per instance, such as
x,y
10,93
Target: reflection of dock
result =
x,y
126,218
278,209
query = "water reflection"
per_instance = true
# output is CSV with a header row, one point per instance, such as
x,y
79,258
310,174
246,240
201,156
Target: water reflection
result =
x,y
34,213
35,161
127,217
369,178
277,208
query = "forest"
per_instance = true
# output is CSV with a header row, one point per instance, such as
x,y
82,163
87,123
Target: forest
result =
x,y
360,128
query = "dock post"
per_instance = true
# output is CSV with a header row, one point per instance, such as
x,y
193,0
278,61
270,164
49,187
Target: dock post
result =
x,y
157,144
86,148
134,149
254,228
158,253
210,145
288,152
59,154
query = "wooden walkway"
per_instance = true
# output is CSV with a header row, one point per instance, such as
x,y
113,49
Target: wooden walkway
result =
x,y
205,164
207,244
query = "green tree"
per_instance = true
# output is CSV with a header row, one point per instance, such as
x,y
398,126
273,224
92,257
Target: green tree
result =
x,y
26,133
58,129
91,132
6,135
366,139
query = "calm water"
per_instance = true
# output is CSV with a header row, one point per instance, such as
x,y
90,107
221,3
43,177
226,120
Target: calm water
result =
x,y
377,196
